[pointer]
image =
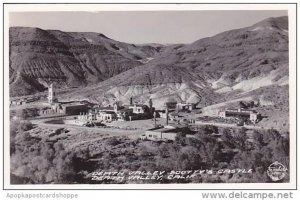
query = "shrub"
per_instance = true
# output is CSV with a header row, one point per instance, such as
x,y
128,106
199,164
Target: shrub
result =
x,y
208,129
180,138
113,141
27,113
25,126
42,163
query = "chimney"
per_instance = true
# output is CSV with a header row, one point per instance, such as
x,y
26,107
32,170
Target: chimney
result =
x,y
131,101
150,103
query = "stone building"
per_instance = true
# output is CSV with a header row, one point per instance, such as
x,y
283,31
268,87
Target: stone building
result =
x,y
139,108
171,105
66,108
106,116
124,114
244,114
117,112
164,133
185,106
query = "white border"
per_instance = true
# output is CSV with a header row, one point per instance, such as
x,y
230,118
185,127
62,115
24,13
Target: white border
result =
x,y
158,7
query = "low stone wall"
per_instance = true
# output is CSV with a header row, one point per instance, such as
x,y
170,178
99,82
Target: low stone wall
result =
x,y
215,124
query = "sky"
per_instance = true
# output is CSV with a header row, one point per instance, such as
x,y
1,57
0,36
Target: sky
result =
x,y
139,27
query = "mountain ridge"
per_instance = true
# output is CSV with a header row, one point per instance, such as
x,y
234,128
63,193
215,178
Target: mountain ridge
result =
x,y
217,64
68,59
207,71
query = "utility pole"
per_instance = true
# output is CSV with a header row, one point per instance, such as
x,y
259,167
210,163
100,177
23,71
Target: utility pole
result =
x,y
154,119
167,116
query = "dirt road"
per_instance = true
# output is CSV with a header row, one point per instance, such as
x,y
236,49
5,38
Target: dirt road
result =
x,y
110,131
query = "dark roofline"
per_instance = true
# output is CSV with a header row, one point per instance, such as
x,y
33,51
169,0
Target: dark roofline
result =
x,y
105,108
108,112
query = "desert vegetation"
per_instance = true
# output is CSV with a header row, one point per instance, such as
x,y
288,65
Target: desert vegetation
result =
x,y
38,160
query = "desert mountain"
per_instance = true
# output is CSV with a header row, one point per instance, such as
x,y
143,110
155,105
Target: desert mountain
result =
x,y
68,59
245,63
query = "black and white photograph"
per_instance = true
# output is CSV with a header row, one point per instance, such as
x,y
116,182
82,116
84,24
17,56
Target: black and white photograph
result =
x,y
179,97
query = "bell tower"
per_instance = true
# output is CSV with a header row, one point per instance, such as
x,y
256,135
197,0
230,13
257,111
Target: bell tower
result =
x,y
51,94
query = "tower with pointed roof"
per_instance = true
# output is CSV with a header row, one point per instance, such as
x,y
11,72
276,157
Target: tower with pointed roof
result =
x,y
51,94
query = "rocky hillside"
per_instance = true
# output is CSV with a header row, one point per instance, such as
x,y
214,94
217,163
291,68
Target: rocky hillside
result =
x,y
68,59
227,66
